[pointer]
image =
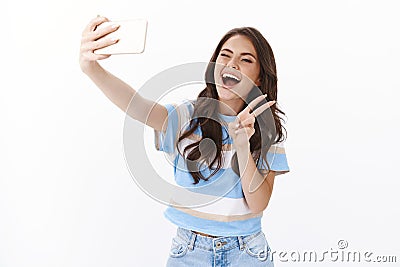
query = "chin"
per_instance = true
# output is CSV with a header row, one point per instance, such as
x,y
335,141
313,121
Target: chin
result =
x,y
225,94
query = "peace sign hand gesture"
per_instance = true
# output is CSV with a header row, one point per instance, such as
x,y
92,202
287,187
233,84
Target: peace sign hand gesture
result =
x,y
243,127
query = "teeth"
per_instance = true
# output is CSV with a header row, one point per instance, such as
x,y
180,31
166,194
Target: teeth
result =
x,y
228,75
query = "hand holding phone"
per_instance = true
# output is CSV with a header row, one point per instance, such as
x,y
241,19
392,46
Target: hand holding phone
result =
x,y
131,36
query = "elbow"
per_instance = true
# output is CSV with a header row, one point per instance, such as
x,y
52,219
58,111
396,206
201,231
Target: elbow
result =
x,y
259,208
257,211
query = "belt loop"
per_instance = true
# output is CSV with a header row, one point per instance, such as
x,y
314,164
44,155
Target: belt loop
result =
x,y
241,244
192,239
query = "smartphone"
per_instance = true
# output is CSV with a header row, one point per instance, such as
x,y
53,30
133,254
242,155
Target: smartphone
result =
x,y
131,34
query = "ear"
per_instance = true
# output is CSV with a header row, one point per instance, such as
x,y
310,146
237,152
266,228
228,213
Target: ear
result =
x,y
258,81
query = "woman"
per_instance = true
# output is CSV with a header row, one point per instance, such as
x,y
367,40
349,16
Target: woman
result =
x,y
246,146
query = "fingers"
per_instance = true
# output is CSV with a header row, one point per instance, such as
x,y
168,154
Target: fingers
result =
x,y
92,39
87,49
99,33
262,108
94,45
244,122
94,57
101,43
246,117
249,131
250,107
93,24
249,121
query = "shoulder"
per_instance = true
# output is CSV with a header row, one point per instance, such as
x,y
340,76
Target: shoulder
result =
x,y
185,109
181,108
278,147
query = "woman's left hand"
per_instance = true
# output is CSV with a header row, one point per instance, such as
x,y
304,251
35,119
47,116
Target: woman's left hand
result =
x,y
243,127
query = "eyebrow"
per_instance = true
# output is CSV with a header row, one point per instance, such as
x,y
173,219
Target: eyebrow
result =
x,y
243,54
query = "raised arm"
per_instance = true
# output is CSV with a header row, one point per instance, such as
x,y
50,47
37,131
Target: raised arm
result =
x,y
114,88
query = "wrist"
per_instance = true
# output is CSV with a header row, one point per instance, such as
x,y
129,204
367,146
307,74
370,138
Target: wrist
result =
x,y
87,66
245,146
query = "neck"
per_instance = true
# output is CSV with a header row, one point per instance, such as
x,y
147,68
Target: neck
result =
x,y
230,107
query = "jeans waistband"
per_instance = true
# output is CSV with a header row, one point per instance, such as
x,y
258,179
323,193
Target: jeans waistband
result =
x,y
210,243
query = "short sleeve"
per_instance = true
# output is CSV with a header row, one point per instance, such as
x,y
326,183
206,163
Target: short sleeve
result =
x,y
277,160
178,119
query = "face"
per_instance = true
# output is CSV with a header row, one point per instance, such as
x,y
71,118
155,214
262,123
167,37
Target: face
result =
x,y
237,69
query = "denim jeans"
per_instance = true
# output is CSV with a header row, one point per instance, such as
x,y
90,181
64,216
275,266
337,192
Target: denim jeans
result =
x,y
191,249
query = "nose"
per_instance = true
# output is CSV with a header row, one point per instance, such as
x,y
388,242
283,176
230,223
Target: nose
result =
x,y
232,63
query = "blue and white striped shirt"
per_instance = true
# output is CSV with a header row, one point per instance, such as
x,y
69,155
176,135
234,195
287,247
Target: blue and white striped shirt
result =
x,y
229,215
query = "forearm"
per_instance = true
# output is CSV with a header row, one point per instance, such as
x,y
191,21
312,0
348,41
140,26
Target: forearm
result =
x,y
126,98
256,188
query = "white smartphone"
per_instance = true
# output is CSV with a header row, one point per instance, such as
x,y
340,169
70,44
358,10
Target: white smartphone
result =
x,y
131,34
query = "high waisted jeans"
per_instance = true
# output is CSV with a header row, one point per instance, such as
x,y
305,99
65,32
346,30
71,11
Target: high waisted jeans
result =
x,y
194,250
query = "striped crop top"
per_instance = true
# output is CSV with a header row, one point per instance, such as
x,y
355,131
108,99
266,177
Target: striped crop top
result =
x,y
230,214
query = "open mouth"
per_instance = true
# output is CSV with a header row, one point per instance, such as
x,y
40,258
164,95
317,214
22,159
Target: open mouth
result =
x,y
230,80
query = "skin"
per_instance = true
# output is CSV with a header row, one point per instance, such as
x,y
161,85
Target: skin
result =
x,y
238,54
241,130
257,188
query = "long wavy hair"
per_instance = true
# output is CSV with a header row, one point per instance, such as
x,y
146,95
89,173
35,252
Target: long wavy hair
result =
x,y
204,111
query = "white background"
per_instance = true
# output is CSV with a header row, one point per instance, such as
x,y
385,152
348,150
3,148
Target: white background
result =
x,y
66,195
